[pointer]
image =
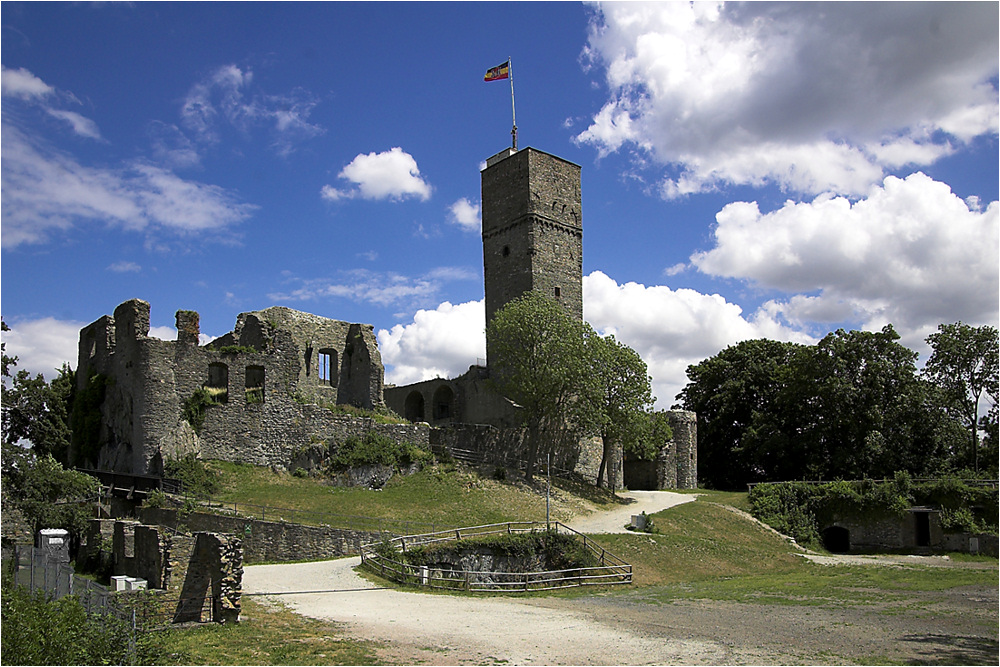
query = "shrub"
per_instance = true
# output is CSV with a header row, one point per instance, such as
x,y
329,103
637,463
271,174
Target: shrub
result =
x,y
375,448
40,631
197,478
194,408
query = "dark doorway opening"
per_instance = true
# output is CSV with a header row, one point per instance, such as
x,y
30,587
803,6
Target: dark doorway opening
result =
x,y
837,540
923,528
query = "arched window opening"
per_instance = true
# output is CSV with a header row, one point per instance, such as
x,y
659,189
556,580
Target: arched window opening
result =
x,y
414,407
444,397
218,382
255,384
328,369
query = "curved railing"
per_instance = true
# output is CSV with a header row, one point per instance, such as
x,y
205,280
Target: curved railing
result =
x,y
611,571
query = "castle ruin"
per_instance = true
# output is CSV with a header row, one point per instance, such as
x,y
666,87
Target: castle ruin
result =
x,y
261,392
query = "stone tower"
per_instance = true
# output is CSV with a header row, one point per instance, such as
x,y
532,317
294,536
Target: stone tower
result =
x,y
532,230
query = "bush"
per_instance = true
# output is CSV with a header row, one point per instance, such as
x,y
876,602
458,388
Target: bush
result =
x,y
194,408
375,448
558,551
197,478
797,509
40,631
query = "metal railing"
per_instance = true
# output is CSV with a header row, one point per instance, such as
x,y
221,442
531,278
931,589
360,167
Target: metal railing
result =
x,y
611,571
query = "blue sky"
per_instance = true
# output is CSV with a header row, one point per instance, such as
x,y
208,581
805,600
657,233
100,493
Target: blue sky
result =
x,y
761,170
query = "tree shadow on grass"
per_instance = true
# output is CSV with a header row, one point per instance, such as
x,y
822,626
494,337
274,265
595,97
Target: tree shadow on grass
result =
x,y
954,650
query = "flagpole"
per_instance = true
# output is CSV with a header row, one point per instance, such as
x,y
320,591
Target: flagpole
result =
x,y
513,131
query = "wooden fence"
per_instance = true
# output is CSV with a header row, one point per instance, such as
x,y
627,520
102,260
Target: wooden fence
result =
x,y
611,571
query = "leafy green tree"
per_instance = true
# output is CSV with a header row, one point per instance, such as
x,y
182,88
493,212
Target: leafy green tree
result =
x,y
48,495
855,406
539,362
36,410
964,364
621,400
851,406
730,393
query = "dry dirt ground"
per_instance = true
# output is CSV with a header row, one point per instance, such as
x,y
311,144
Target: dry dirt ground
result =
x,y
953,627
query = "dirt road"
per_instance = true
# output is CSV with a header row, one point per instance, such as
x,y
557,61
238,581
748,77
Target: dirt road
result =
x,y
952,627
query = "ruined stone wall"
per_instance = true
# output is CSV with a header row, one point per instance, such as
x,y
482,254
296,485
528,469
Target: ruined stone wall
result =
x,y
508,446
468,399
201,573
262,412
271,540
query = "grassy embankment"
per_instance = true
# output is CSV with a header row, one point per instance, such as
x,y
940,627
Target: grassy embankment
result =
x,y
699,550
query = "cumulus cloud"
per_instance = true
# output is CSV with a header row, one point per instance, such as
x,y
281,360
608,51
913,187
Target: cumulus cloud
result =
x,y
465,214
43,345
379,288
813,97
442,342
672,329
45,190
392,174
911,253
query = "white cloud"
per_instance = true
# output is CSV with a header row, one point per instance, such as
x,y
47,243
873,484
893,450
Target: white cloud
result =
x,y
80,124
45,190
392,174
672,329
125,267
23,84
43,345
911,253
812,97
226,98
465,214
382,289
442,342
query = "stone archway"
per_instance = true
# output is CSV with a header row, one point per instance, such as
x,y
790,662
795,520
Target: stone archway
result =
x,y
413,409
837,539
444,403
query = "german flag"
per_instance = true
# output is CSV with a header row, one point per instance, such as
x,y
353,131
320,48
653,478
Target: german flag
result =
x,y
497,73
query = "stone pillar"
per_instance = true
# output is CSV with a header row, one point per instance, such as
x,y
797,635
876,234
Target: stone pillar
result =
x,y
188,327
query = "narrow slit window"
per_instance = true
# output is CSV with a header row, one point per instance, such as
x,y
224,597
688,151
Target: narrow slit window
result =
x,y
558,292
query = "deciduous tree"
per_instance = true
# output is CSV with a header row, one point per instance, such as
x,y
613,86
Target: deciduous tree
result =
x,y
964,364
538,361
621,400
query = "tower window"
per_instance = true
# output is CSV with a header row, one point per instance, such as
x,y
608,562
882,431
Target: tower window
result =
x,y
558,292
506,251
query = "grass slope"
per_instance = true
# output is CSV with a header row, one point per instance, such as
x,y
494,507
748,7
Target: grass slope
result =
x,y
437,497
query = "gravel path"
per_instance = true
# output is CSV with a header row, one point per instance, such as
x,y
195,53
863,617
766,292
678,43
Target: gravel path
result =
x,y
444,629
614,521
952,627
